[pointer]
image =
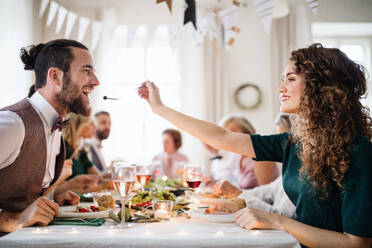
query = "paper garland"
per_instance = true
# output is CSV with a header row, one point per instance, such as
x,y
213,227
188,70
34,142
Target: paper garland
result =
x,y
169,4
190,13
206,24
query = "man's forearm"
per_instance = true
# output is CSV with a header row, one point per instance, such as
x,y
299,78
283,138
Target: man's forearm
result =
x,y
9,222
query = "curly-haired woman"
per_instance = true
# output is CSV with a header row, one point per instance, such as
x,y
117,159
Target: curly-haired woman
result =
x,y
327,158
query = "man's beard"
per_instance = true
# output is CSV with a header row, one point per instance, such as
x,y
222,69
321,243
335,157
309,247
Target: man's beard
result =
x,y
102,135
70,100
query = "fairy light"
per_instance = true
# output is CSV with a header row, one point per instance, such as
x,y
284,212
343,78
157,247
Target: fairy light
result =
x,y
74,231
182,233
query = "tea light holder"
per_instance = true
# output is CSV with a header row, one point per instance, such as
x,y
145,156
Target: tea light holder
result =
x,y
163,209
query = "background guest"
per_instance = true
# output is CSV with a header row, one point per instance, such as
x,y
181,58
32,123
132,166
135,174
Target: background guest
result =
x,y
102,132
239,170
172,141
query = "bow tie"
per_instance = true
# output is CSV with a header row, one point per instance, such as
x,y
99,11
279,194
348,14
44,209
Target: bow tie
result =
x,y
60,124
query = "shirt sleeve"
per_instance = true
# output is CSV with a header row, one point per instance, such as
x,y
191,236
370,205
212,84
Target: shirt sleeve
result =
x,y
12,134
356,199
269,147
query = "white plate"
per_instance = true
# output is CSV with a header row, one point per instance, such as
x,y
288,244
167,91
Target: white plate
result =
x,y
65,212
200,214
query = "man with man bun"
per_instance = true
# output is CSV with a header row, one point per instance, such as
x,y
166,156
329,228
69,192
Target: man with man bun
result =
x,y
32,149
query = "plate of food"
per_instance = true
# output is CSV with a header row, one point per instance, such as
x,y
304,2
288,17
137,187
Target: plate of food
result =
x,y
83,211
212,215
221,212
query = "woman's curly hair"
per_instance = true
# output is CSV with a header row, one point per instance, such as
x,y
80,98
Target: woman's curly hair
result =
x,y
330,115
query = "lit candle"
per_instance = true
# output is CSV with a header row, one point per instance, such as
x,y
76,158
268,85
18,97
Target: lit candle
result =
x,y
161,214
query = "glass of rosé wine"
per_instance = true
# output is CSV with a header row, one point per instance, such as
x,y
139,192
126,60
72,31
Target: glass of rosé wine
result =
x,y
124,178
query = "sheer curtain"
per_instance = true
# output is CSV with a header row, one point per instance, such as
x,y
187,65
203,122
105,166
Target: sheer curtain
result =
x,y
136,131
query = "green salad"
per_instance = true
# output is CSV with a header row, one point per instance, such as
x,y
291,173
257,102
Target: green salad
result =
x,y
148,196
171,183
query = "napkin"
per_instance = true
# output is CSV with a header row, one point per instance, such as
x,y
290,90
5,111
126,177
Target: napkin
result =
x,y
79,222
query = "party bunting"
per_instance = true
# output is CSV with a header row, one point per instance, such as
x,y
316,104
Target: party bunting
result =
x,y
62,12
83,26
229,19
169,4
190,13
174,34
52,12
96,31
265,11
43,6
71,19
313,4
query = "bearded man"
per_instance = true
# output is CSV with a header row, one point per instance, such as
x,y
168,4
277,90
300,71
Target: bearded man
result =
x,y
32,149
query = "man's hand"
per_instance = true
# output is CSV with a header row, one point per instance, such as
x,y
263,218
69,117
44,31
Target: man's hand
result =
x,y
67,196
40,212
226,190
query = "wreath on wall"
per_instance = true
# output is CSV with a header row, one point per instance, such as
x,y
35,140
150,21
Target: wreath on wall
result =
x,y
248,96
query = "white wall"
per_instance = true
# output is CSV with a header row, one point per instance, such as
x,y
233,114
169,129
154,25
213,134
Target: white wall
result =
x,y
16,29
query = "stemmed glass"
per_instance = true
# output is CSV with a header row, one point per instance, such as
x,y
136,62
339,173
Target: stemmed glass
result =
x,y
124,178
192,177
144,173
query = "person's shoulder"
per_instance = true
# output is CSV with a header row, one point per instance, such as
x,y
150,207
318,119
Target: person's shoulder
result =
x,y
361,145
11,124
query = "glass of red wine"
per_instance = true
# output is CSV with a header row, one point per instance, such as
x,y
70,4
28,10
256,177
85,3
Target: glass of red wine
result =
x,y
143,172
124,178
192,177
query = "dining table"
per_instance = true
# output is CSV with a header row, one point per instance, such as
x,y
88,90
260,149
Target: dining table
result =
x,y
178,232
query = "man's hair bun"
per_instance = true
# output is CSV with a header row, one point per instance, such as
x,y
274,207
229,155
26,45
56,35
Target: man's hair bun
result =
x,y
29,54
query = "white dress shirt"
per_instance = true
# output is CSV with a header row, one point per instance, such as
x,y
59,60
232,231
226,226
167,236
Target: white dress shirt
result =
x,y
270,198
12,134
97,146
227,168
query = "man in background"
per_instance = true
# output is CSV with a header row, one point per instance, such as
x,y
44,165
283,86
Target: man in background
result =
x,y
103,127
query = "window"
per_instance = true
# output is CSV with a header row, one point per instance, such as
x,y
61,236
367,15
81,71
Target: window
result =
x,y
136,131
353,40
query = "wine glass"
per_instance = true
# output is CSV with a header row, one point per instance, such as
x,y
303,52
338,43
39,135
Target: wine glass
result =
x,y
144,173
192,177
124,178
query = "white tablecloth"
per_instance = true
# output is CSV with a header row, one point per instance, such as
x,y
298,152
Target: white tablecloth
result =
x,y
178,232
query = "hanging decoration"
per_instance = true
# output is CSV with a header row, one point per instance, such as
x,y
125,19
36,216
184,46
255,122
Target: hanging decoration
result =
x,y
229,19
71,19
43,6
174,34
52,12
96,32
313,4
169,4
62,12
83,26
265,11
207,24
190,13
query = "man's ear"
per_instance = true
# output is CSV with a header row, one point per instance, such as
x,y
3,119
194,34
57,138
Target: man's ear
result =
x,y
55,75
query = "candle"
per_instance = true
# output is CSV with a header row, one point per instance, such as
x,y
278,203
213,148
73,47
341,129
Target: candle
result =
x,y
161,214
163,209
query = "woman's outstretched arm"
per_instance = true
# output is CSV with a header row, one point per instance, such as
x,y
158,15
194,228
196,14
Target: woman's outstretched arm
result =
x,y
207,132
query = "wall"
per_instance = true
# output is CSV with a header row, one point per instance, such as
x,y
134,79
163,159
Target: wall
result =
x,y
16,29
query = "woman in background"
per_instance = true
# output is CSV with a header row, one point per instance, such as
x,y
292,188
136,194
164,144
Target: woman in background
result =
x,y
270,197
79,127
172,141
239,170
